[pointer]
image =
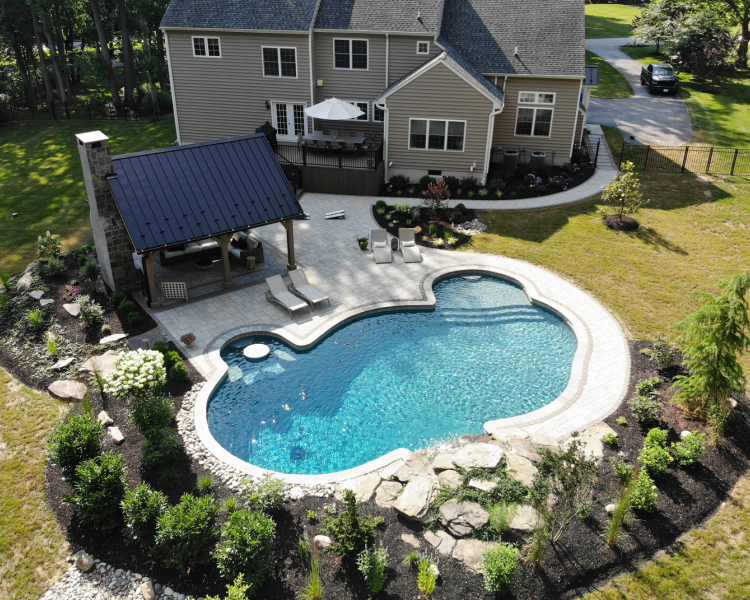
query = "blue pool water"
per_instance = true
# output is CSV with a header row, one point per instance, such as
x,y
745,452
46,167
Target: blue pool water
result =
x,y
393,380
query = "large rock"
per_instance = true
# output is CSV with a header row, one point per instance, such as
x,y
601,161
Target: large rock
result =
x,y
410,539
115,435
463,518
147,591
599,431
525,519
414,502
321,542
104,418
37,294
24,282
363,487
520,468
509,433
451,479
469,552
387,493
525,449
478,456
441,541
67,389
417,464
482,484
104,364
589,446
84,561
73,309
544,441
442,462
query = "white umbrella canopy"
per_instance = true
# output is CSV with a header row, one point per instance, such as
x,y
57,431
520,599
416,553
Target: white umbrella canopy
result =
x,y
333,109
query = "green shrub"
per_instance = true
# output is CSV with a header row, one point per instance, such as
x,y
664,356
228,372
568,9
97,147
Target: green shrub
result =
x,y
90,271
452,182
231,505
187,533
427,577
610,439
152,412
4,301
36,319
646,387
690,449
141,508
399,182
5,280
205,483
381,205
350,530
117,297
372,564
622,469
126,306
312,516
162,347
644,496
246,546
663,353
646,408
264,494
501,516
432,229
655,457
425,181
134,317
80,438
235,591
171,357
500,566
82,259
54,267
179,372
160,447
99,489
91,311
469,184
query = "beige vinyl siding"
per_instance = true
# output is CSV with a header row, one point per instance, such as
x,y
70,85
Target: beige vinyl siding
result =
x,y
579,126
438,94
563,120
403,57
224,97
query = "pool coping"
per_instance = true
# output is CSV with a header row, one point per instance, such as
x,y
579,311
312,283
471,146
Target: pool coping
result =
x,y
563,402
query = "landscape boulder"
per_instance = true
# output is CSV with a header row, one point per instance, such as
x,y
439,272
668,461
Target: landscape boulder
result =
x,y
520,468
147,591
115,435
417,464
441,541
115,337
451,479
24,282
442,462
386,493
104,418
36,294
470,552
482,484
414,502
544,441
525,449
62,364
410,539
321,542
525,519
67,389
73,309
84,561
478,456
363,487
509,433
463,518
103,364
599,431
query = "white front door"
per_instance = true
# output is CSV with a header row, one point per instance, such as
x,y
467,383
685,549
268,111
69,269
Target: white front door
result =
x,y
289,120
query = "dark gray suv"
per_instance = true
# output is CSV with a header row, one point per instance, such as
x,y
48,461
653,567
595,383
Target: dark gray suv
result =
x,y
659,77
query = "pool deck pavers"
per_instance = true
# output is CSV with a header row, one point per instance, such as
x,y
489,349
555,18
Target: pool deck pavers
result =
x,y
333,262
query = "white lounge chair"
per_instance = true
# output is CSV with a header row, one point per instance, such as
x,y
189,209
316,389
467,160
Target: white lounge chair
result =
x,y
278,293
380,247
409,249
302,288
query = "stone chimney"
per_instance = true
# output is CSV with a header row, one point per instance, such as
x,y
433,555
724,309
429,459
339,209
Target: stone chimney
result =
x,y
113,247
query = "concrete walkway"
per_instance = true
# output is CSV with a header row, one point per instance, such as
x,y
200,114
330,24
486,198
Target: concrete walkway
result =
x,y
650,119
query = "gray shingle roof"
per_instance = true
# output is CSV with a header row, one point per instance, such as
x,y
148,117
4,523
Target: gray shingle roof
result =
x,y
381,15
549,34
278,15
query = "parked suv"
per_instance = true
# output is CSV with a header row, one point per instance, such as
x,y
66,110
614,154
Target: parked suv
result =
x,y
659,77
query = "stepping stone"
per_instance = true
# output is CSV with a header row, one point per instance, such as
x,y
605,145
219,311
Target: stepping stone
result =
x,y
62,364
234,373
451,479
72,309
441,541
590,446
46,301
36,294
417,464
410,539
525,449
520,468
470,552
24,282
443,462
67,389
599,431
363,487
104,364
544,441
478,456
463,518
145,341
482,484
115,435
525,519
414,502
104,418
386,493
113,338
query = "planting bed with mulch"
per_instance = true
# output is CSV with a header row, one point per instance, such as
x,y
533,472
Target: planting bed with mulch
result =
x,y
429,228
577,564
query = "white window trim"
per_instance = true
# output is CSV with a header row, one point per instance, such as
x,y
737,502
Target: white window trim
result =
x,y
205,39
350,40
355,102
428,47
445,149
535,108
374,107
279,49
287,137
536,98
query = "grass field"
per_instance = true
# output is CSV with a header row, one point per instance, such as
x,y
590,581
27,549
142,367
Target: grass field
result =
x,y
720,118
41,179
609,20
611,82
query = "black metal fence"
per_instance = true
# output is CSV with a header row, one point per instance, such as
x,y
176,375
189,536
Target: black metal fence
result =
x,y
342,158
82,110
586,153
687,159
293,172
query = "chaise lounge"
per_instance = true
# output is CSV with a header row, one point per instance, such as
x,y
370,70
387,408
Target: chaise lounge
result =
x,y
278,294
409,249
302,288
380,247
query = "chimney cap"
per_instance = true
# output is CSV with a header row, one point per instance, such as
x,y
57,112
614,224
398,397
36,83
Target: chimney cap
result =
x,y
91,136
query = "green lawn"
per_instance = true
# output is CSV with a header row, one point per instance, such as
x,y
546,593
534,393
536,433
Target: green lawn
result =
x,y
720,118
609,20
41,179
611,82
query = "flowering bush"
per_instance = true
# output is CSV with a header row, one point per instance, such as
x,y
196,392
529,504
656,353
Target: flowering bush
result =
x,y
136,374
188,339
71,292
48,246
532,180
91,312
559,181
570,167
624,194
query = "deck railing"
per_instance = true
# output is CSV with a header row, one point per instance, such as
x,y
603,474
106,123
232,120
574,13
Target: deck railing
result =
x,y
341,158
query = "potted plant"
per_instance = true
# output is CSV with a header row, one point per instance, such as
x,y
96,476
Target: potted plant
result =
x,y
363,241
188,339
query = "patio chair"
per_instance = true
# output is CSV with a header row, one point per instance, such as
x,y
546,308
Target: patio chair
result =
x,y
380,247
278,294
302,288
409,249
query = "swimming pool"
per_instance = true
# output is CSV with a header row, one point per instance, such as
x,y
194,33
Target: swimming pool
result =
x,y
401,379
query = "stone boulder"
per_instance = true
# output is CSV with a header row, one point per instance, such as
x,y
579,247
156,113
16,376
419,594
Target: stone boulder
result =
x,y
115,435
525,519
482,484
46,301
147,591
451,479
610,508
591,447
463,518
67,389
478,456
363,487
509,433
72,309
441,541
417,464
414,502
104,418
470,552
599,431
115,337
410,539
104,364
442,462
84,561
24,282
386,493
525,449
321,542
544,441
520,468
37,294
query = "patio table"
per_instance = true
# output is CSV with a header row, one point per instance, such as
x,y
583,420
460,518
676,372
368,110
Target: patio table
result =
x,y
320,137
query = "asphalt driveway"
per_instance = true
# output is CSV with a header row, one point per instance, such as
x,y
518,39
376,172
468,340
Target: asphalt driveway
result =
x,y
650,119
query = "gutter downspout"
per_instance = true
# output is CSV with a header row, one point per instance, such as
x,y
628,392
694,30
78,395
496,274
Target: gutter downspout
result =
x,y
575,121
172,89
387,55
310,59
490,133
386,123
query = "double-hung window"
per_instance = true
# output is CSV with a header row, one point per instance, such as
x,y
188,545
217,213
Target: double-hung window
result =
x,y
436,134
378,114
350,54
534,120
279,62
364,107
206,46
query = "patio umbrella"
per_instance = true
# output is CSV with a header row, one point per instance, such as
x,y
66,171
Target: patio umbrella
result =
x,y
333,109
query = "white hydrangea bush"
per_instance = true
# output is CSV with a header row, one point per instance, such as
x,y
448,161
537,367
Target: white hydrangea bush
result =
x,y
137,374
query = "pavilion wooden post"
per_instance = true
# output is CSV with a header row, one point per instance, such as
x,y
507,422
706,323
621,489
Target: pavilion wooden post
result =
x,y
289,226
224,243
148,266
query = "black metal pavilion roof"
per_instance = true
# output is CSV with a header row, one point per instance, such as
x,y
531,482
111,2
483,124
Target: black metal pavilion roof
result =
x,y
175,195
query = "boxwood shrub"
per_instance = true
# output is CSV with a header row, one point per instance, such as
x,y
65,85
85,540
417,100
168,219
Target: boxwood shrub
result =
x,y
80,438
187,533
141,508
246,546
99,489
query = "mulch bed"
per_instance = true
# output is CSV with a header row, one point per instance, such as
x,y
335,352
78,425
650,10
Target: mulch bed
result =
x,y
579,563
623,223
442,222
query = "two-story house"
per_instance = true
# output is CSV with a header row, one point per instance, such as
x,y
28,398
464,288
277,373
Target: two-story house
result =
x,y
446,84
